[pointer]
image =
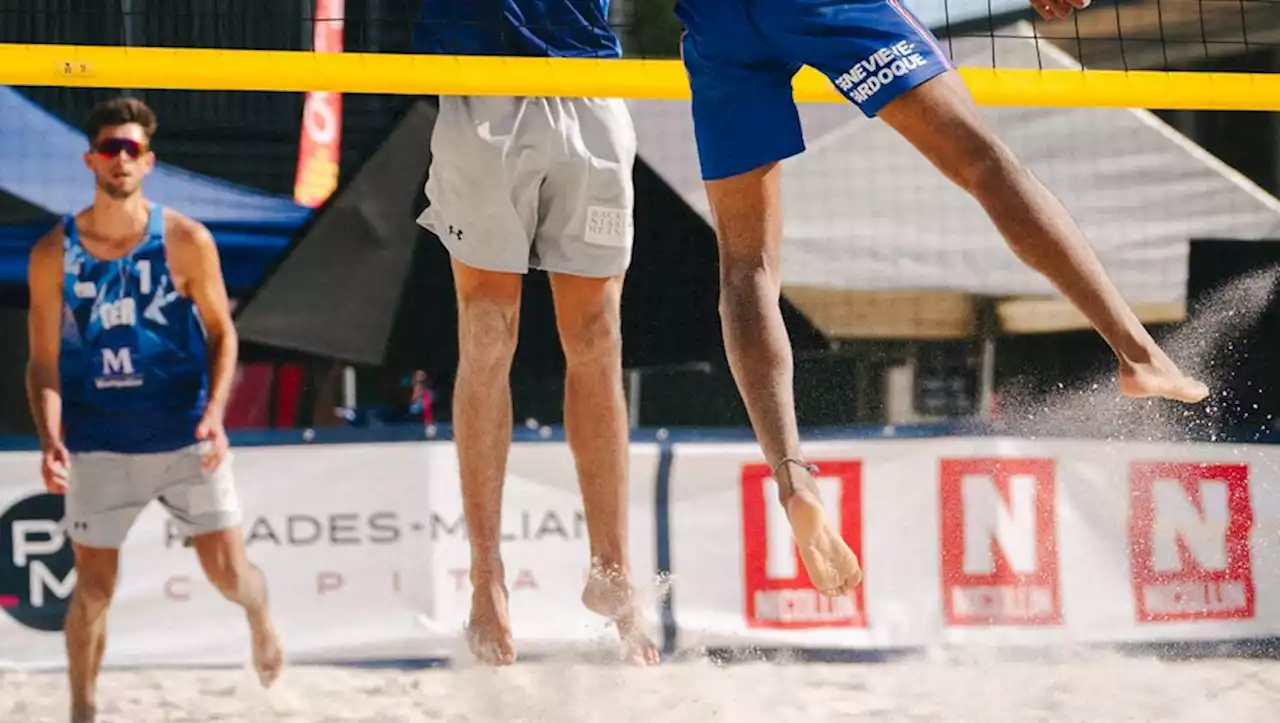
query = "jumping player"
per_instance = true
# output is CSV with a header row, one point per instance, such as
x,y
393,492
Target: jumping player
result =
x,y
740,56
132,356
536,183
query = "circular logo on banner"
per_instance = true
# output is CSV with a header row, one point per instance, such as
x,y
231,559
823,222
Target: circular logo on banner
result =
x,y
37,567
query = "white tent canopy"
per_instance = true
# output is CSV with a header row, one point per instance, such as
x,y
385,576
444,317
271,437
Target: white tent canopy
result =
x,y
878,243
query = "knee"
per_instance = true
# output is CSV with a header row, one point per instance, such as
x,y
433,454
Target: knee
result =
x,y
742,281
487,331
593,339
95,577
94,588
983,164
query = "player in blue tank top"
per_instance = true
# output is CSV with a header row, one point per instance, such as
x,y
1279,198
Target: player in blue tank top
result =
x,y
131,361
523,183
741,56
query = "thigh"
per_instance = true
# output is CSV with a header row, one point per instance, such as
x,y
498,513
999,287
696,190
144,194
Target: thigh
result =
x,y
104,497
744,111
872,50
483,183
585,226
944,124
748,216
96,569
198,500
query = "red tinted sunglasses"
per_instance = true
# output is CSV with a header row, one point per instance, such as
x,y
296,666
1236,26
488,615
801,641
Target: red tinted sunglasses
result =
x,y
111,147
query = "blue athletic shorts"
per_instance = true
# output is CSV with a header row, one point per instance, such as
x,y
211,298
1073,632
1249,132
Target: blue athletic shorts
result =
x,y
741,55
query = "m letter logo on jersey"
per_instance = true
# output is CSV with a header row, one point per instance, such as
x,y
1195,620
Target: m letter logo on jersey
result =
x,y
117,370
779,593
37,566
1189,541
999,542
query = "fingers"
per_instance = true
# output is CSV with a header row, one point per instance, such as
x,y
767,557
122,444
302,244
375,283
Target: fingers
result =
x,y
55,476
1057,9
214,451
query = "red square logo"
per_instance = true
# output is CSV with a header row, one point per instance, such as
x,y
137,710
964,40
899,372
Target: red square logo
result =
x,y
1189,530
779,593
999,542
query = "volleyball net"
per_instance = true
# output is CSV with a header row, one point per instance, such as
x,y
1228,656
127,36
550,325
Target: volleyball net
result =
x,y
1142,53
1153,120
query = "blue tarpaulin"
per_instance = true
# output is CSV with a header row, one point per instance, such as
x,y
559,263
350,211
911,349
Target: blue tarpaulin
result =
x,y
40,163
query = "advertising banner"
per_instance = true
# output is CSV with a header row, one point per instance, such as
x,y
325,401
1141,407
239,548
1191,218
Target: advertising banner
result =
x,y
363,546
986,541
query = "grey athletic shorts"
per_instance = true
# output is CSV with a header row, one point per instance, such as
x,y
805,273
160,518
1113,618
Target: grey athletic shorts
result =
x,y
533,183
107,491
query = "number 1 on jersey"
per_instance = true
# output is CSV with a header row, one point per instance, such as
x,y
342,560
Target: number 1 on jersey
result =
x,y
144,276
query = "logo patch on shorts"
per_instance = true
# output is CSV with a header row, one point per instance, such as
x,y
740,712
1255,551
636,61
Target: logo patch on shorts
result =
x,y
608,226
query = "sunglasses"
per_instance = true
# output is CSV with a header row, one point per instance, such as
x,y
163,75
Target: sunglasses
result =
x,y
111,147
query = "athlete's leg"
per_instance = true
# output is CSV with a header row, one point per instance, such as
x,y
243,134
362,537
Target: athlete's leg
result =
x,y
488,321
739,164
86,626
102,502
483,208
222,556
888,64
588,318
584,242
748,218
941,119
205,507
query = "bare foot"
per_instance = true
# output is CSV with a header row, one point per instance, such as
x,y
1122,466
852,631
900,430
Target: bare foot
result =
x,y
489,630
610,594
83,713
268,654
833,568
1159,377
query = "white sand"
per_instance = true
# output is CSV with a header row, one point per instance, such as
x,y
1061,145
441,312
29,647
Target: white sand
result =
x,y
1092,688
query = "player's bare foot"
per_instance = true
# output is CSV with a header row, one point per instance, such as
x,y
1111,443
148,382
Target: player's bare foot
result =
x,y
489,629
83,713
268,654
610,594
833,568
1159,377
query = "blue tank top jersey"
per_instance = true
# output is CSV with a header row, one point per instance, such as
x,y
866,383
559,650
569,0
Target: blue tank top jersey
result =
x,y
134,361
540,28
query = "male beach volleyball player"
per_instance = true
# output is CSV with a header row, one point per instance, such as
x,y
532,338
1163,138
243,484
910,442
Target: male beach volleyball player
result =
x,y
131,362
536,183
740,56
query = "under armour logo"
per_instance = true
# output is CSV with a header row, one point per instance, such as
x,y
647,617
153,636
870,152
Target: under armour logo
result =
x,y
455,232
80,525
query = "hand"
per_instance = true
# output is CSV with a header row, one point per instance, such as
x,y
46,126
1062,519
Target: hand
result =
x,y
55,467
211,432
1058,9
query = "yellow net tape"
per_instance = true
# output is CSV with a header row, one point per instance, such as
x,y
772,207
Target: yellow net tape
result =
x,y
299,71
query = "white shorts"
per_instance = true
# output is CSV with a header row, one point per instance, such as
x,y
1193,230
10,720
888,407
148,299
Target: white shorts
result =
x,y
533,183
106,492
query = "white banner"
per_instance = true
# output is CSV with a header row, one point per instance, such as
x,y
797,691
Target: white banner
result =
x,y
363,547
984,541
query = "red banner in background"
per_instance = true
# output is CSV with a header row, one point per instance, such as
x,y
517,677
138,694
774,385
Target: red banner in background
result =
x,y
318,147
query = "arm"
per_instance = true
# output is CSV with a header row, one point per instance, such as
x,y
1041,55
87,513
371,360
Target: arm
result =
x,y
194,259
44,336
